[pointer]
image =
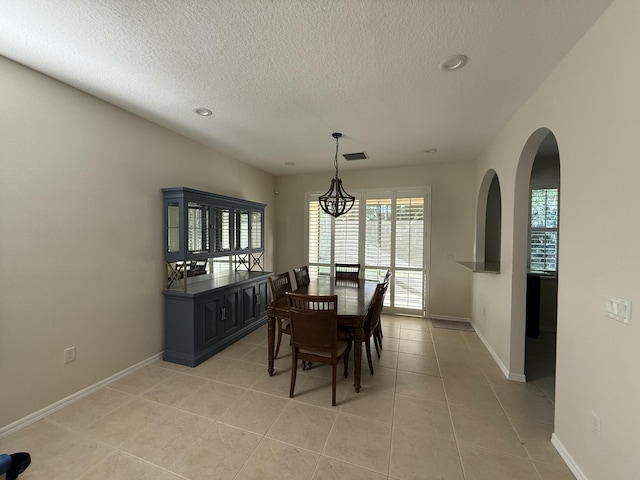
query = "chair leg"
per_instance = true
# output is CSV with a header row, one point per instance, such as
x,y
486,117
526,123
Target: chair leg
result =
x,y
279,338
379,331
333,382
294,370
367,345
376,342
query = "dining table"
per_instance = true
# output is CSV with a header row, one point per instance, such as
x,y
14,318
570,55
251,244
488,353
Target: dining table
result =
x,y
354,300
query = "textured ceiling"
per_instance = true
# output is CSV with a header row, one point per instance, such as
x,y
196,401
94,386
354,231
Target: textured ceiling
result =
x,y
281,75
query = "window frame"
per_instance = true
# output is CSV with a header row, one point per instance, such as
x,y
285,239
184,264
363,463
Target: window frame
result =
x,y
394,193
532,229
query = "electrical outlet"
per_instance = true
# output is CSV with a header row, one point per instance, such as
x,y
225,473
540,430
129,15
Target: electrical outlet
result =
x,y
595,425
69,354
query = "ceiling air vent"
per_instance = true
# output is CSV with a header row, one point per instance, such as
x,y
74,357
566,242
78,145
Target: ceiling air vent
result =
x,y
355,156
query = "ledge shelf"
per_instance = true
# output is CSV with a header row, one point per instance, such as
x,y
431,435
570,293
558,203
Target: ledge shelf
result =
x,y
481,267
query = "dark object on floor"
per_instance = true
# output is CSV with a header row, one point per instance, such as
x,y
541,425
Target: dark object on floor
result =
x,y
453,325
14,464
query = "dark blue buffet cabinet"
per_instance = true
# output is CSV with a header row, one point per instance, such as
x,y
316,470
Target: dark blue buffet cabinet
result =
x,y
216,290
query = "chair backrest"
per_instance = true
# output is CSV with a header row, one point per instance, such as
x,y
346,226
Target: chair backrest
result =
x,y
387,276
302,275
347,271
314,321
280,284
385,282
373,314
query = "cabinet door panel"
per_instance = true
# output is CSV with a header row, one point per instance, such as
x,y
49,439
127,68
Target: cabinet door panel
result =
x,y
248,304
198,228
212,315
242,230
222,229
262,298
230,312
256,230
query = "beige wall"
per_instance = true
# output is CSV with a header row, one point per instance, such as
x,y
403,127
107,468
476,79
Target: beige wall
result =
x,y
452,199
591,102
81,234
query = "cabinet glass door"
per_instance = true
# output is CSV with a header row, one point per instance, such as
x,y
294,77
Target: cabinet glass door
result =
x,y
198,228
222,227
242,229
256,230
173,228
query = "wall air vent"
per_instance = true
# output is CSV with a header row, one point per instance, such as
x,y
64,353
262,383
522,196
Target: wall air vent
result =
x,y
355,156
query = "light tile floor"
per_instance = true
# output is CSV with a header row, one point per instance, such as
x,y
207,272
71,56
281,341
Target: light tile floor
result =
x,y
437,407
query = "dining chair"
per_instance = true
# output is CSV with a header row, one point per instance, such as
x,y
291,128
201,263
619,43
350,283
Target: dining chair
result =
x,y
347,271
280,284
387,276
372,322
302,275
314,335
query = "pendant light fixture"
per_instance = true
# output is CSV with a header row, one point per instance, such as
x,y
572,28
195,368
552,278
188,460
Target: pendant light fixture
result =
x,y
336,201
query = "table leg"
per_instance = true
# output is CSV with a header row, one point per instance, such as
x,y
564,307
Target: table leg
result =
x,y
357,357
271,341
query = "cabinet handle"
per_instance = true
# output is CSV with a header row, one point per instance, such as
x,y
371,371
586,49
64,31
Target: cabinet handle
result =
x,y
257,299
224,313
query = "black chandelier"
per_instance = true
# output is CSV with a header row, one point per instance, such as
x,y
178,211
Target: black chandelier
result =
x,y
336,201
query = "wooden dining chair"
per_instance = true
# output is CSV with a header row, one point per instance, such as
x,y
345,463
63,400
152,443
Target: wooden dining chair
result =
x,y
280,284
314,335
372,322
347,271
387,276
302,276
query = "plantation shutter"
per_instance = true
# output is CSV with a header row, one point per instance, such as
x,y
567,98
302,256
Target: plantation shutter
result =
x,y
346,236
409,255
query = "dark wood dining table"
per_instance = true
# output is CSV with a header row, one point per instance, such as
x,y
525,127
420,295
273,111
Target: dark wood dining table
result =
x,y
354,300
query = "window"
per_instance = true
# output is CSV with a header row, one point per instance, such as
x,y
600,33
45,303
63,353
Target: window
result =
x,y
388,232
543,238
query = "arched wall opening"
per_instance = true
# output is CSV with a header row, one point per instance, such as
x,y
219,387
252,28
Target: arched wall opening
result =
x,y
489,221
538,141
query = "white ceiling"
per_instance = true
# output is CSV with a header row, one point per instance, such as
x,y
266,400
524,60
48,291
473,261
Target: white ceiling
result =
x,y
281,75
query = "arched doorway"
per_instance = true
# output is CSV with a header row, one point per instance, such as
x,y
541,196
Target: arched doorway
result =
x,y
536,240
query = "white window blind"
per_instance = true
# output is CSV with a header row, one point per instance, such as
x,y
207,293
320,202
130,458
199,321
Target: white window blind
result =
x,y
346,236
409,252
410,232
378,217
543,240
320,239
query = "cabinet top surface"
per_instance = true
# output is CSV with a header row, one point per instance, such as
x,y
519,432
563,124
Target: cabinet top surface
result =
x,y
179,191
208,283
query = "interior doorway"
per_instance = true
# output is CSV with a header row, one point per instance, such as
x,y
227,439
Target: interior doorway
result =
x,y
542,267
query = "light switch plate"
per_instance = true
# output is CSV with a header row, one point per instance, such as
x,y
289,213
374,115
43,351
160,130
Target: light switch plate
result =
x,y
619,309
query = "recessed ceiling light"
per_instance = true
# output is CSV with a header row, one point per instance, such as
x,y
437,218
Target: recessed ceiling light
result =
x,y
454,62
289,164
205,112
431,150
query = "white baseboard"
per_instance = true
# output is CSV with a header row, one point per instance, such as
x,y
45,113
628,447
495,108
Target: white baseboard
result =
x,y
48,410
516,377
451,319
568,459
